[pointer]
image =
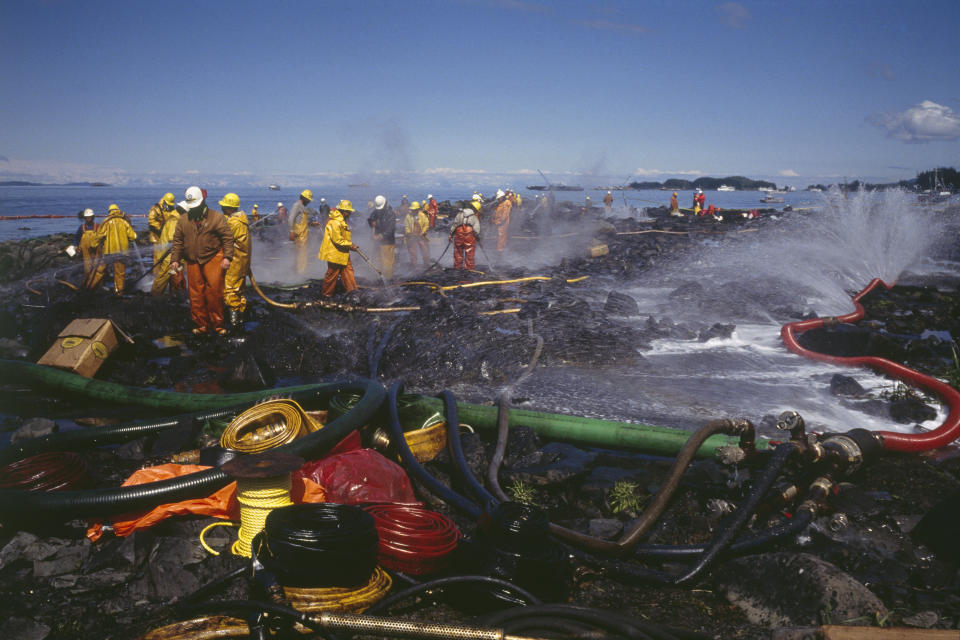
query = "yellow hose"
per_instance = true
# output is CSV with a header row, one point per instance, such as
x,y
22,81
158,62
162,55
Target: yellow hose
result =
x,y
282,305
266,426
340,599
203,542
498,312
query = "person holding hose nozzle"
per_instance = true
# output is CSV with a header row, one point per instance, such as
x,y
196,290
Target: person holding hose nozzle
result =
x,y
300,215
465,234
236,276
204,241
384,225
336,248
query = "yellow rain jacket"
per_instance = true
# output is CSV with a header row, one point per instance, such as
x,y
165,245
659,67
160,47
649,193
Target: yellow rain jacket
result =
x,y
115,233
161,272
155,221
236,275
336,243
416,225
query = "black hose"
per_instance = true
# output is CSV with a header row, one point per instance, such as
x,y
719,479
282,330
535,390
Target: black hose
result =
x,y
795,525
22,506
486,500
377,355
414,466
440,583
319,545
211,586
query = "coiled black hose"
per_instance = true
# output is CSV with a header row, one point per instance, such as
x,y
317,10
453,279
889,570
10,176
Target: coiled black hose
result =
x,y
18,507
443,583
319,545
414,466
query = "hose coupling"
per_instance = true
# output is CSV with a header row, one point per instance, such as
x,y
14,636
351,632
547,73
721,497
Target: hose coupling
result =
x,y
843,452
838,522
830,321
793,422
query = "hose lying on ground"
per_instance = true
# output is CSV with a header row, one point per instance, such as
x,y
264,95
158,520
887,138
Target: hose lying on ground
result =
x,y
22,506
943,435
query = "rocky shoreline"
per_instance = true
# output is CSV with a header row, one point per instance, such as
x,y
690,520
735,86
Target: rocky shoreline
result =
x,y
880,552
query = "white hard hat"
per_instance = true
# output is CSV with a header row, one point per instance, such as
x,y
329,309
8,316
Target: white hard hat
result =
x,y
500,193
193,198
476,196
323,199
608,192
429,195
88,213
279,204
379,202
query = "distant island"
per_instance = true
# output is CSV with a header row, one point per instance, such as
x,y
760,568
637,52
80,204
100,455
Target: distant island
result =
x,y
24,183
710,184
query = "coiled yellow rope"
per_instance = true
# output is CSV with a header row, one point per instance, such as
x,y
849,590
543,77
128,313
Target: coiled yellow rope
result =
x,y
266,426
257,498
340,599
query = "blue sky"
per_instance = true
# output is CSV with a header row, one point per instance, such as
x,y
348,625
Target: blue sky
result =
x,y
255,92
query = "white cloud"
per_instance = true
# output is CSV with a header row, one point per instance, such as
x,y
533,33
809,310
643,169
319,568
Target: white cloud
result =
x,y
789,173
733,14
923,122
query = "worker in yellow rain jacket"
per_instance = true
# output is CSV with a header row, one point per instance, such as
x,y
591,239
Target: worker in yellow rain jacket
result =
x,y
86,240
501,219
162,276
415,226
236,276
300,215
156,218
115,233
336,248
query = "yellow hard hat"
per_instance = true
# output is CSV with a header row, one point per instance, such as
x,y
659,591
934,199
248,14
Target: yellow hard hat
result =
x,y
306,193
231,200
674,193
113,207
414,205
168,198
256,206
476,205
344,205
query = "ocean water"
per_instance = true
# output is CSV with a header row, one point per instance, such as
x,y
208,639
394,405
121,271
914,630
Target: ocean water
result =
x,y
136,201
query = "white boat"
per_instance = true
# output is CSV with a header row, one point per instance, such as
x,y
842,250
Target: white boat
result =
x,y
726,187
274,187
772,197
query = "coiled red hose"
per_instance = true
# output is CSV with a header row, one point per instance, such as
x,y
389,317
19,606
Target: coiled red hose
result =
x,y
413,540
52,471
892,441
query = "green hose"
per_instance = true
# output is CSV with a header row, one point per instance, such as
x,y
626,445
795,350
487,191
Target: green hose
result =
x,y
589,431
18,372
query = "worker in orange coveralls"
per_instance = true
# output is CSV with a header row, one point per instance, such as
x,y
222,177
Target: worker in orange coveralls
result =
x,y
464,233
501,219
204,241
432,210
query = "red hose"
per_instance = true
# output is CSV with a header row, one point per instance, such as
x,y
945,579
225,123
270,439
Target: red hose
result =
x,y
413,539
892,441
52,471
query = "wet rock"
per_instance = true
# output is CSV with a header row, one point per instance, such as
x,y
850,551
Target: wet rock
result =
x,y
911,411
12,349
718,330
34,428
620,304
922,620
66,560
786,589
557,463
245,371
23,629
25,545
841,385
605,528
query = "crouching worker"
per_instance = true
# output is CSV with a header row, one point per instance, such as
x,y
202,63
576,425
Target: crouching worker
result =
x,y
465,233
336,248
203,240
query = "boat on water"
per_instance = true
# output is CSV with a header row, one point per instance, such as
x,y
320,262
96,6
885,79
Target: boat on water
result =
x,y
358,185
772,197
726,187
553,187
274,187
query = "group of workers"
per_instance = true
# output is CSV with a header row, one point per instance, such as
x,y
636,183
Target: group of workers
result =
x,y
212,248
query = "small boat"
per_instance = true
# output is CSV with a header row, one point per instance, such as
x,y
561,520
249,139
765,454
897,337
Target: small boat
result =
x,y
553,187
772,197
726,187
358,185
274,187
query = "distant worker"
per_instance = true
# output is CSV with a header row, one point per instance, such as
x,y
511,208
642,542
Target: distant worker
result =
x,y
415,225
203,240
608,203
163,276
383,222
255,213
299,220
501,219
281,213
465,232
432,210
404,205
115,233
701,199
674,205
235,278
86,241
335,249
517,201
587,205
323,212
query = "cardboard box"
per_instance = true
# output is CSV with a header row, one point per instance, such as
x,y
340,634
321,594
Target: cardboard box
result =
x,y
82,346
